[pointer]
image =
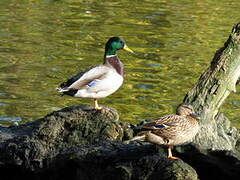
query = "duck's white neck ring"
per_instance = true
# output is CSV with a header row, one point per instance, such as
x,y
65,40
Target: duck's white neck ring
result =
x,y
108,56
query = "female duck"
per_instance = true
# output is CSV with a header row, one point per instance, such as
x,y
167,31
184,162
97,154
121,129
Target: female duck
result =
x,y
99,81
171,129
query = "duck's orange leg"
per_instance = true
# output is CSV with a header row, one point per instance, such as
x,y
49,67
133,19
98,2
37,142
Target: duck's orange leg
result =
x,y
170,156
97,107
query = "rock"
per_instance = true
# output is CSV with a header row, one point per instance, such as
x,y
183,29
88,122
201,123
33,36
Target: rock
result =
x,y
114,160
82,143
210,164
29,144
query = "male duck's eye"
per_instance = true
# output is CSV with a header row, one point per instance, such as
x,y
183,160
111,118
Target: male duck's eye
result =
x,y
122,43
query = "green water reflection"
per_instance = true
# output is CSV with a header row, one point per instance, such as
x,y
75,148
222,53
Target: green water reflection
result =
x,y
44,42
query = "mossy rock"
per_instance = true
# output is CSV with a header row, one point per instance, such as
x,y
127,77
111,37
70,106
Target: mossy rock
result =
x,y
29,144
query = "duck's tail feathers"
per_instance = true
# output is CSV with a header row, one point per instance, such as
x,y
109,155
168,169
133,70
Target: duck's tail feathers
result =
x,y
136,138
61,90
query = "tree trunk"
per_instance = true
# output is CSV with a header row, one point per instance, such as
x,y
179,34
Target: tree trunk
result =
x,y
209,93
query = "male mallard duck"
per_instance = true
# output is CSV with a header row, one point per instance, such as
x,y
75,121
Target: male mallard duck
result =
x,y
171,129
99,81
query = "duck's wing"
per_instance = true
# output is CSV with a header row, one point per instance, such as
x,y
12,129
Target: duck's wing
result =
x,y
166,127
86,77
164,122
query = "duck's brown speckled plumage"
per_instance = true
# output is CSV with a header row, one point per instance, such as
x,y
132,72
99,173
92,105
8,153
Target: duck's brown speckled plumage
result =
x,y
171,129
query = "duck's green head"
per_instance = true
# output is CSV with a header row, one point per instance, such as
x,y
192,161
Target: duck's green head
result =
x,y
114,44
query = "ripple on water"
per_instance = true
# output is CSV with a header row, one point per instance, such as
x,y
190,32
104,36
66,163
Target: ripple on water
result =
x,y
144,86
3,105
7,118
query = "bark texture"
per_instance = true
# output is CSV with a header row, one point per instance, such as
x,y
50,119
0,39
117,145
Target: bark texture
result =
x,y
209,93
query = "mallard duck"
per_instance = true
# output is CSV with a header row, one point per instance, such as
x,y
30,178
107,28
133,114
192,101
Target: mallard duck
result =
x,y
99,81
171,129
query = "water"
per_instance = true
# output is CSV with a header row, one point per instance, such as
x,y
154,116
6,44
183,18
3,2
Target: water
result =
x,y
44,42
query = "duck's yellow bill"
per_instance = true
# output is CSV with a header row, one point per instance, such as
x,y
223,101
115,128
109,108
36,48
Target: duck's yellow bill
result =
x,y
127,49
